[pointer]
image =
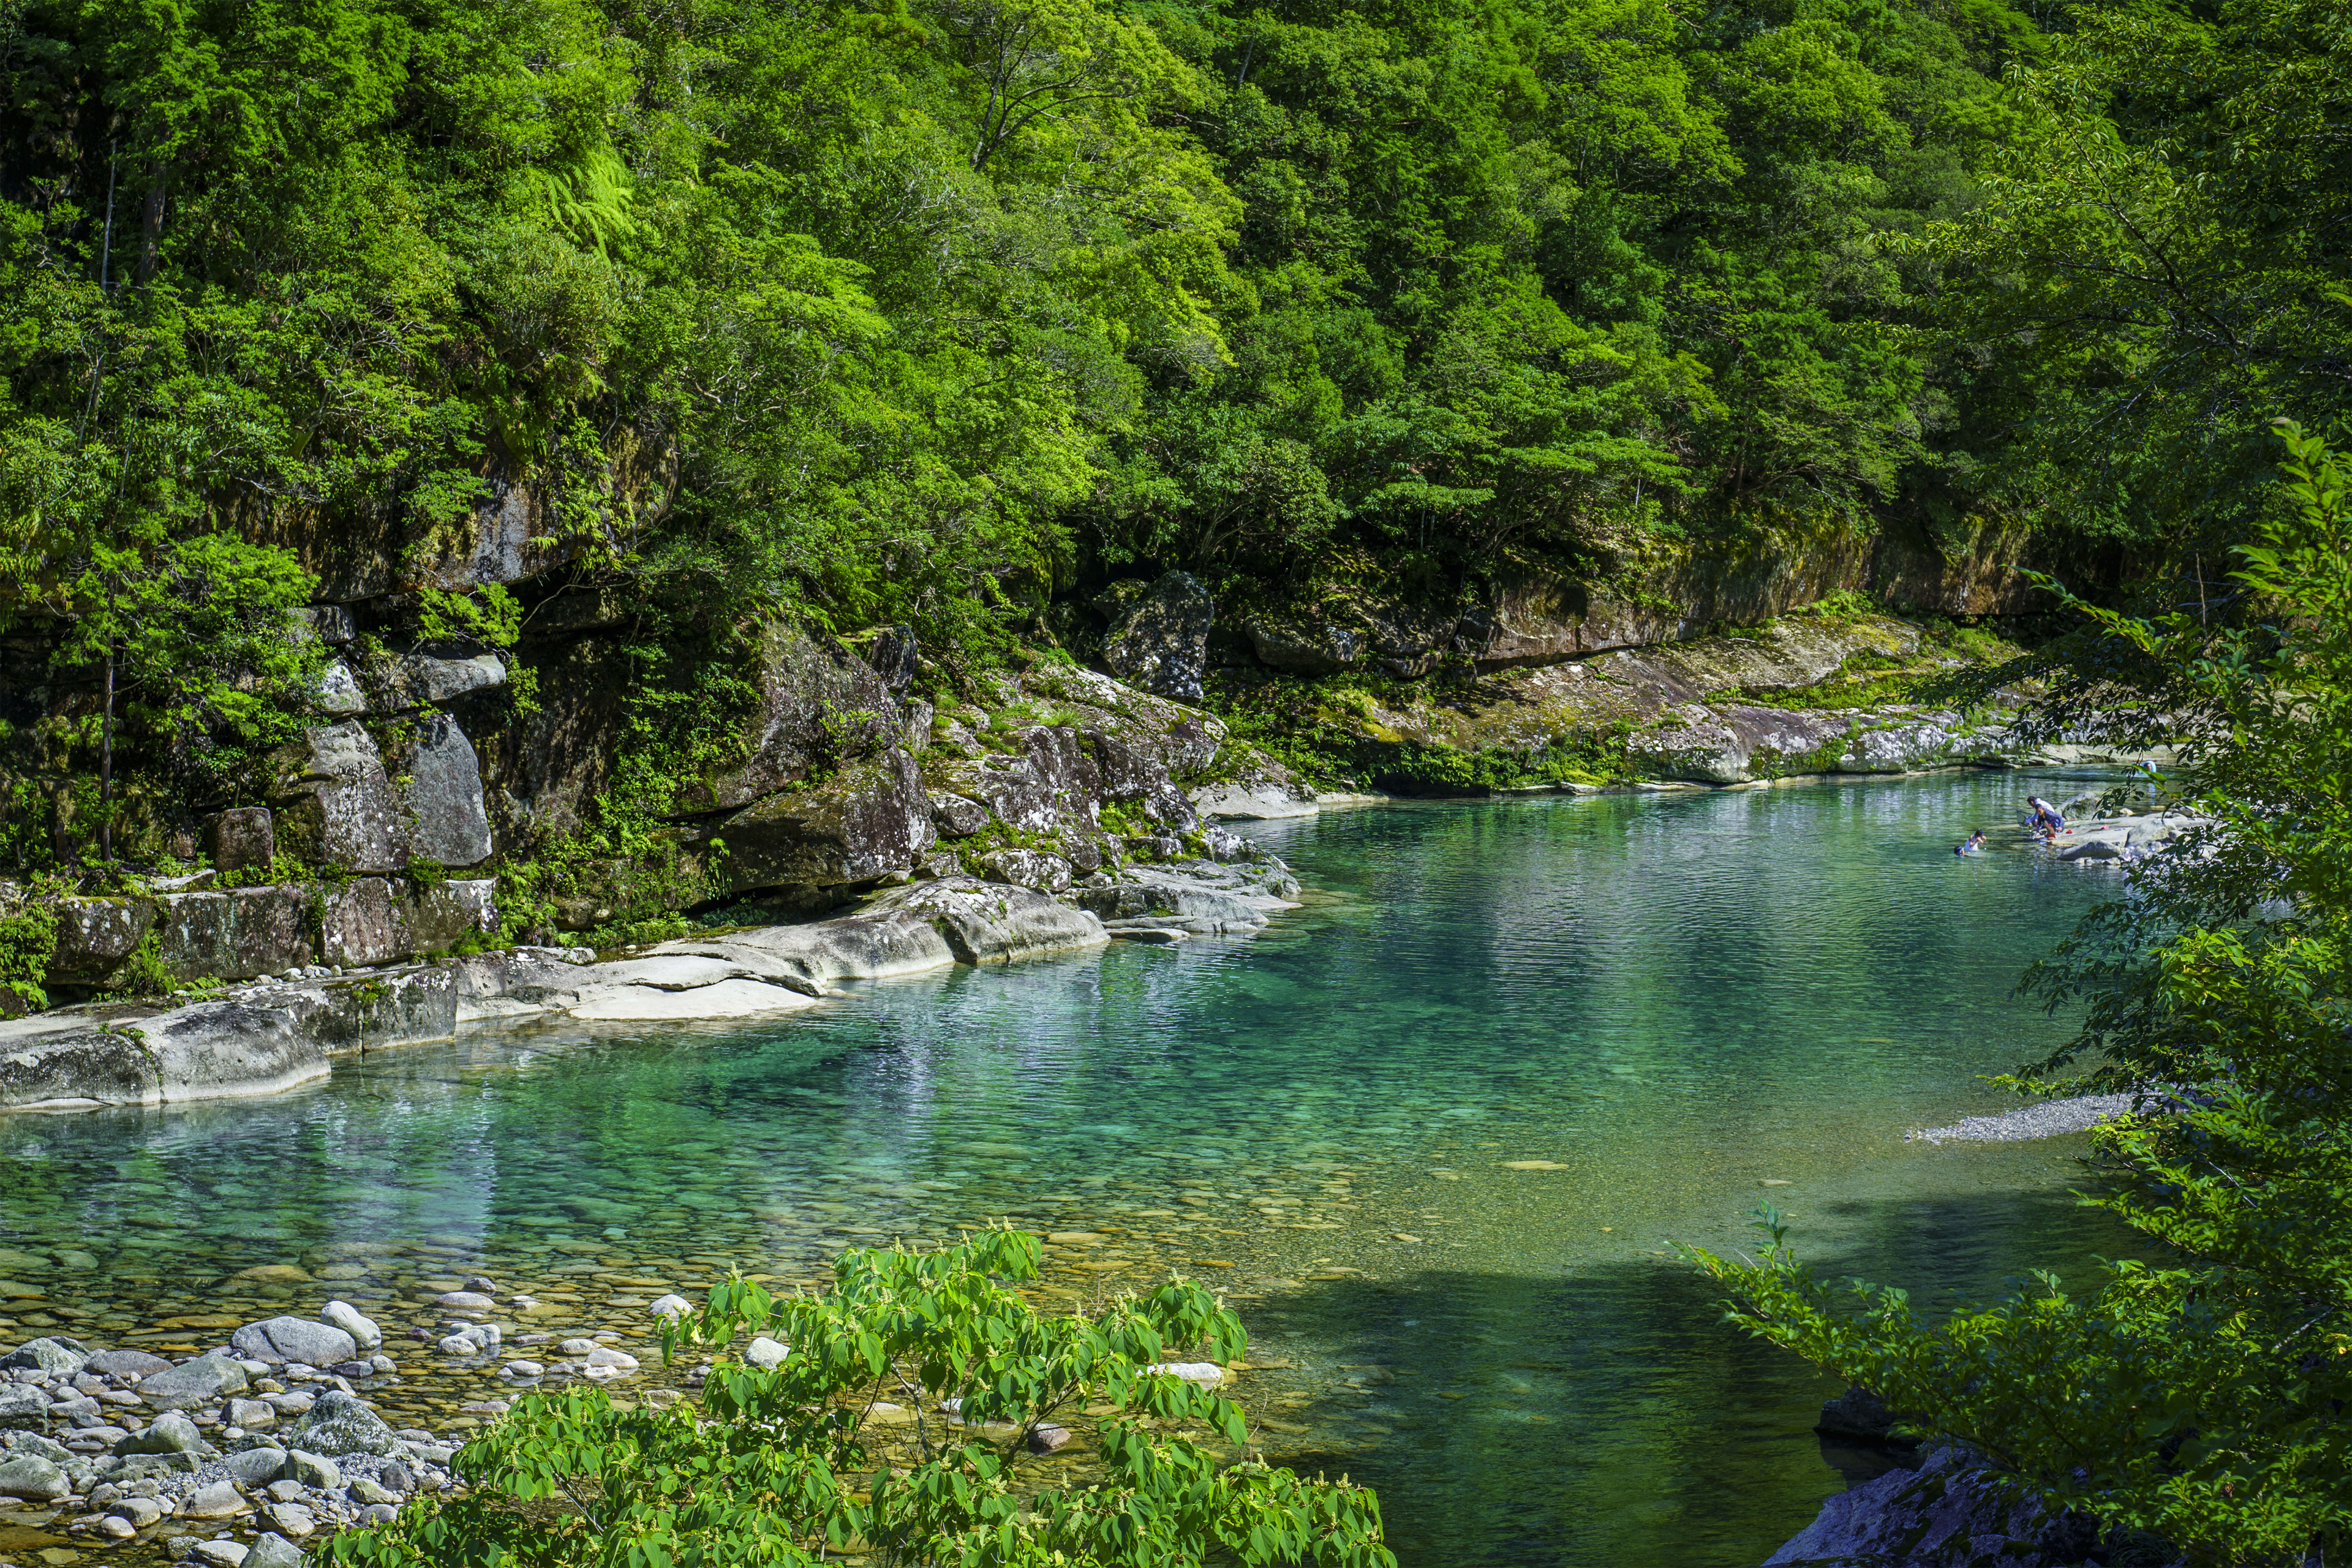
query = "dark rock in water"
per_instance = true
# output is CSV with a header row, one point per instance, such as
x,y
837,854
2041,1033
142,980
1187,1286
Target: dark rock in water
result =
x,y
58,1355
1951,1512
1159,639
1857,1414
1045,1439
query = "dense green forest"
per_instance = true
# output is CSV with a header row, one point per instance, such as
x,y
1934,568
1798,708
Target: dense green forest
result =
x,y
952,313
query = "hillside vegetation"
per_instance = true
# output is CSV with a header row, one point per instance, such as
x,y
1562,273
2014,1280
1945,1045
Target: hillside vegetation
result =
x,y
728,313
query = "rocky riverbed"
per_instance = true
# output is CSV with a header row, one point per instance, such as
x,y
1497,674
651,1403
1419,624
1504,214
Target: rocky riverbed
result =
x,y
239,1435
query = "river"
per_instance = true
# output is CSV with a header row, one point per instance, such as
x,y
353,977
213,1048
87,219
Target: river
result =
x,y
1671,1006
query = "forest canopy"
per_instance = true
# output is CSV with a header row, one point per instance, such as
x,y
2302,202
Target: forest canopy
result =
x,y
932,310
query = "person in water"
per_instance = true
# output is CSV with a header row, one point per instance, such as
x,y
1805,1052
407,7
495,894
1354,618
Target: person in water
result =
x,y
1973,845
2048,820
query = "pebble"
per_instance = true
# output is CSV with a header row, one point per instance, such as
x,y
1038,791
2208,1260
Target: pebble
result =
x,y
669,1307
524,1369
766,1353
464,1301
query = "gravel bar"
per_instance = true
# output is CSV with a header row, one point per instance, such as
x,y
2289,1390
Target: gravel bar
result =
x,y
2047,1119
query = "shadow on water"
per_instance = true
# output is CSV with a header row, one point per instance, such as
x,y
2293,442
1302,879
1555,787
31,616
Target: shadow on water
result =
x,y
1610,1416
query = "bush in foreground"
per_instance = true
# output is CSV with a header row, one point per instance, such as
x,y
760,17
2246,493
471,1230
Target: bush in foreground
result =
x,y
848,1447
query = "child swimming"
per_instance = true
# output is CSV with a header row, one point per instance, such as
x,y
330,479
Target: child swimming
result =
x,y
1973,845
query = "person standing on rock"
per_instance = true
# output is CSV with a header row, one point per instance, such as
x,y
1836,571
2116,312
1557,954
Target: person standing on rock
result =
x,y
2048,820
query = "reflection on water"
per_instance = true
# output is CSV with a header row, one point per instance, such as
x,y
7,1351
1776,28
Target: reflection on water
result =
x,y
1657,1003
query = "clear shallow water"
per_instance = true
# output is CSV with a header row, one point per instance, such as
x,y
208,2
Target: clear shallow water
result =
x,y
1670,998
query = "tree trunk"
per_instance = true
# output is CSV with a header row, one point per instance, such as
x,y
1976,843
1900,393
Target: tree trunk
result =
x,y
151,223
106,766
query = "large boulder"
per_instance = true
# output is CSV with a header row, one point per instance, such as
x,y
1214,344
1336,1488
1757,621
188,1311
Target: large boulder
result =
x,y
1064,766
512,534
1311,648
1159,639
365,1332
1184,740
259,1042
447,821
1025,869
170,1433
1011,787
57,1355
441,916
363,923
1951,1510
334,804
1149,897
28,1478
418,681
23,1407
957,817
95,935
987,922
206,1380
242,838
865,821
281,1339
338,1425
820,707
235,935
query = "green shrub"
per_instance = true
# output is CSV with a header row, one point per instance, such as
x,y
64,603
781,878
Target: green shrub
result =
x,y
801,1463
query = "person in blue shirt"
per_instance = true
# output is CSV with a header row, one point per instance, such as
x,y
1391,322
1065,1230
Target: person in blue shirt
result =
x,y
1973,845
2048,820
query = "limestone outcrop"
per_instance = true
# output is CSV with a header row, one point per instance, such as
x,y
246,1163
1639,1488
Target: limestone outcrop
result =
x,y
264,1040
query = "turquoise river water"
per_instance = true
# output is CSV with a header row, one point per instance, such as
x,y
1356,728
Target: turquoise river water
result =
x,y
1678,1004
